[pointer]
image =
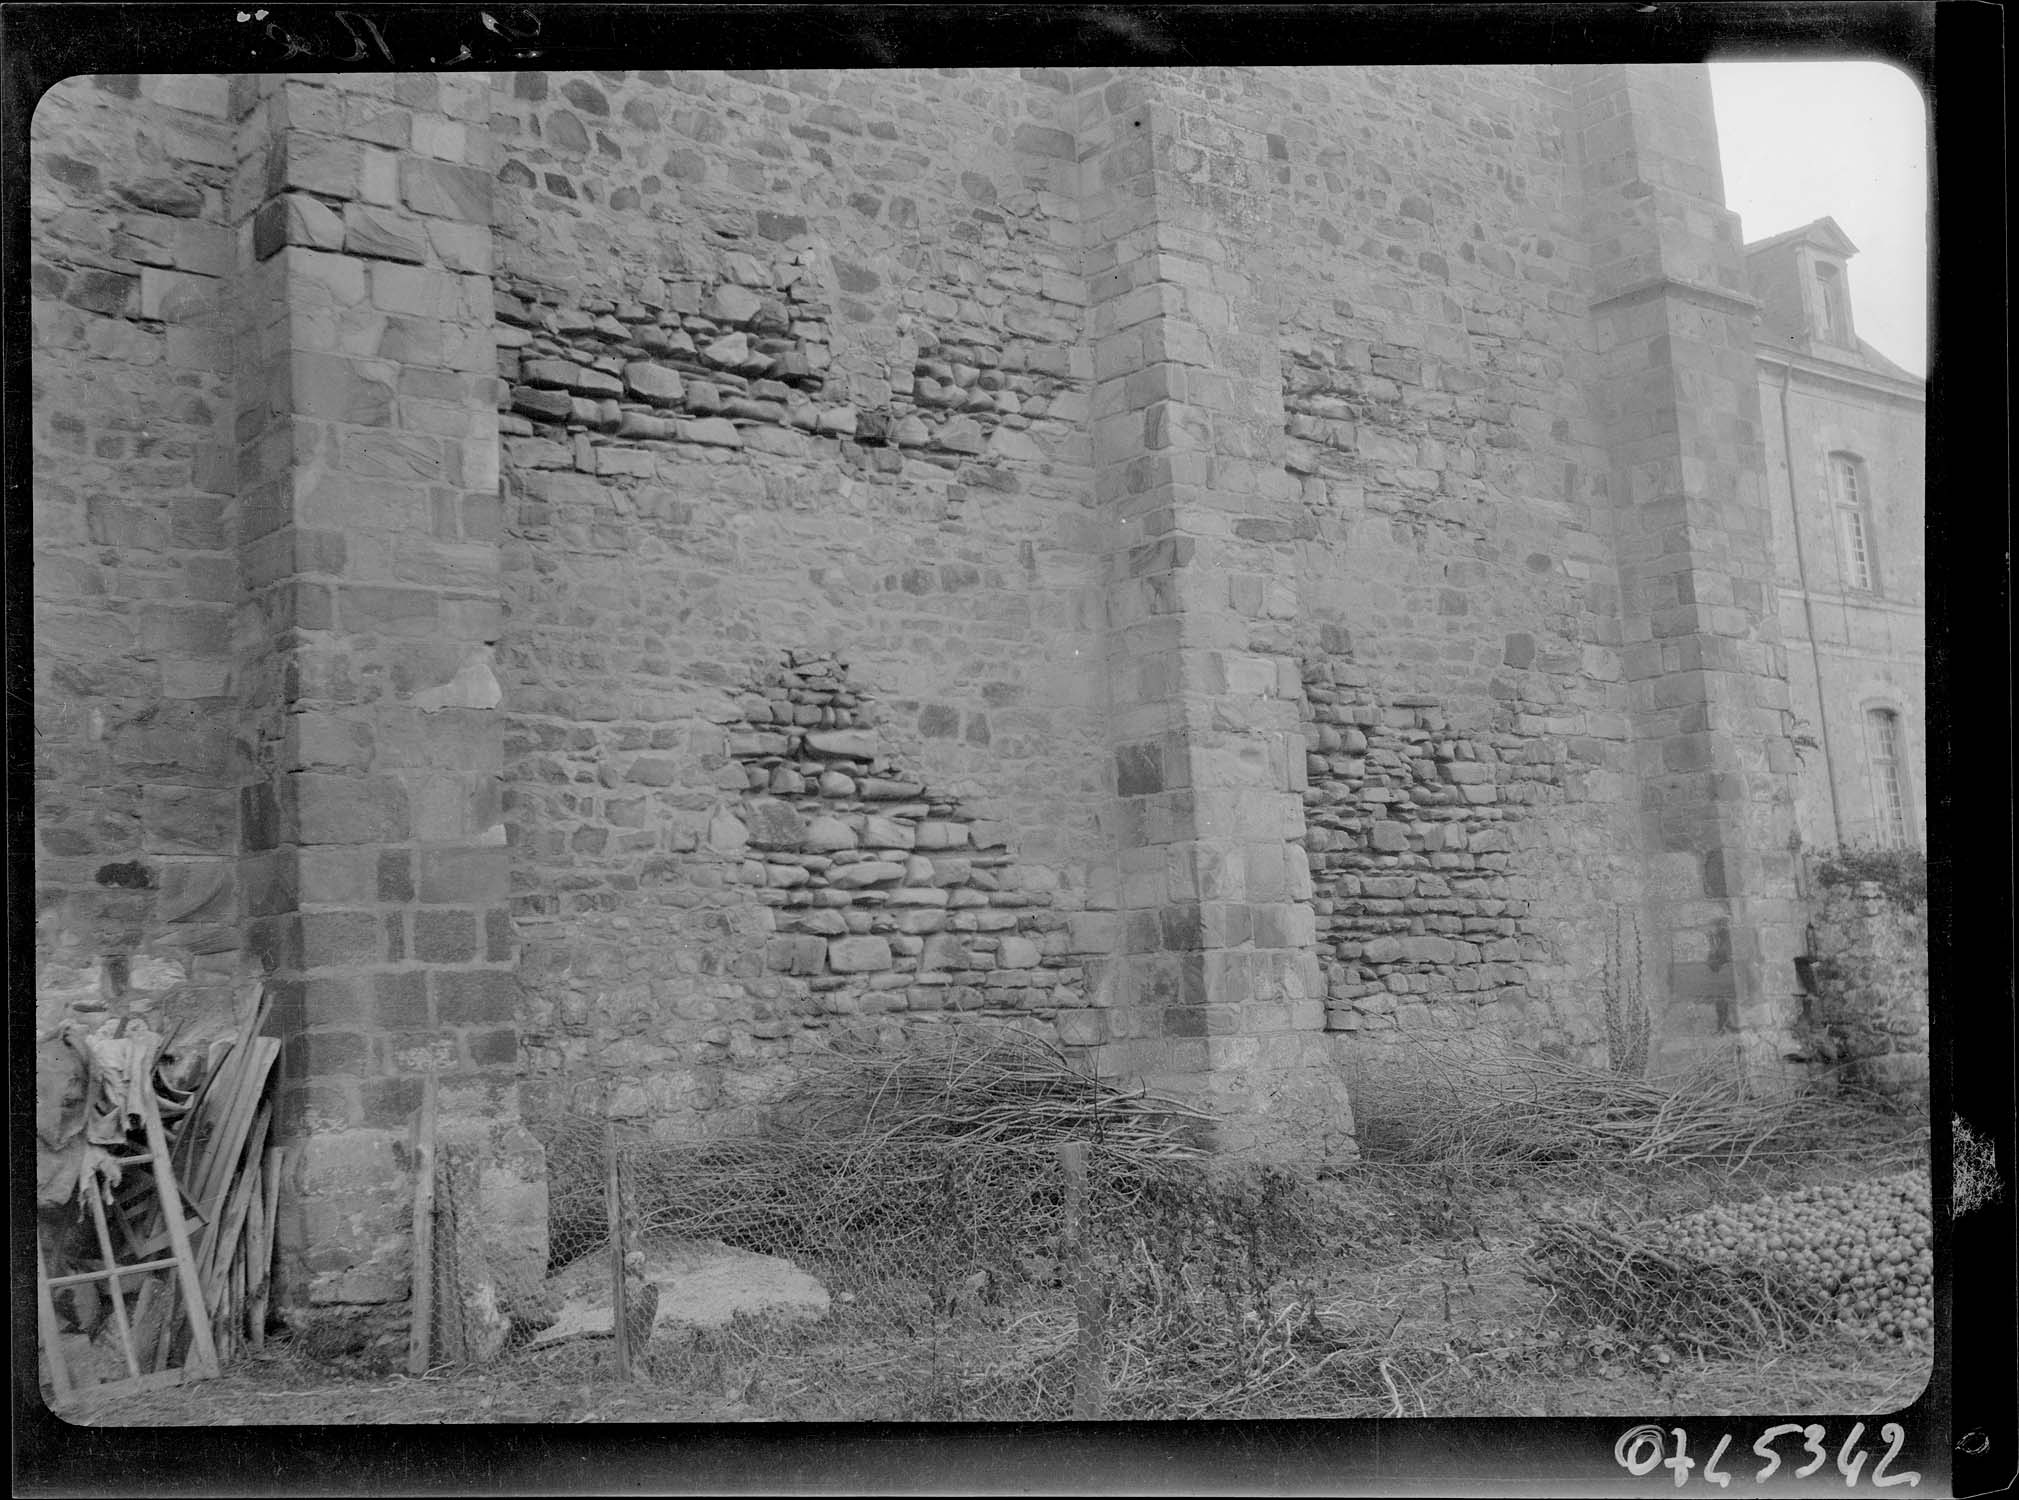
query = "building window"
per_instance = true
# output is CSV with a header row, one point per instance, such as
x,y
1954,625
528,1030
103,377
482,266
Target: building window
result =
x,y
1889,786
1851,495
1832,305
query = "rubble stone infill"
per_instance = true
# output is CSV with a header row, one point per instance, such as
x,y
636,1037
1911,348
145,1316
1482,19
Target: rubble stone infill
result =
x,y
1420,896
887,897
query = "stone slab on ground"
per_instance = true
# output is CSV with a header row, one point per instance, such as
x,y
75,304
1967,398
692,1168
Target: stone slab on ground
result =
x,y
702,1284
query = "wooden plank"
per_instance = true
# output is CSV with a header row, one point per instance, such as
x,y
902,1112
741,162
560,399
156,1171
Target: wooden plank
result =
x,y
203,1350
224,1244
221,1161
45,1317
147,1319
421,1331
248,1245
234,1307
254,1022
124,1269
618,1308
263,1287
244,1182
157,1319
227,1105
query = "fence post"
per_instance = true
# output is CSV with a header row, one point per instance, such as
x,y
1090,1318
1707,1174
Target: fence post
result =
x,y
619,1310
1090,1366
420,1336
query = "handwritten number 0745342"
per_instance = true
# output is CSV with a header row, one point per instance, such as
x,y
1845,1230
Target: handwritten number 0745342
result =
x,y
1641,1450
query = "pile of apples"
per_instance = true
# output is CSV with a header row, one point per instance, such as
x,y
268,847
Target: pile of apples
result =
x,y
1869,1244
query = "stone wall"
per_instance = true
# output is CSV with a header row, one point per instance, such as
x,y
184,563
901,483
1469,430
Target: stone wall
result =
x,y
1429,846
654,567
1868,1018
1448,560
1675,391
265,318
791,370
138,763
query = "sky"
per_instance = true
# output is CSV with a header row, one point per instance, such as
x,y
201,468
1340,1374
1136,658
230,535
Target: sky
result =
x,y
1801,140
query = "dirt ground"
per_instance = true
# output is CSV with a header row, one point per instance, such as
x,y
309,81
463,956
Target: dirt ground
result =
x,y
1441,1278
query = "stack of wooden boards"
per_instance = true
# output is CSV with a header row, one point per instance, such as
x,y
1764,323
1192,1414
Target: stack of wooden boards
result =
x,y
232,1175
187,1213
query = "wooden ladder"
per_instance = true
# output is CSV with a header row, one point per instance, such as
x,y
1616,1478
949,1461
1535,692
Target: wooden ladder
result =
x,y
203,1363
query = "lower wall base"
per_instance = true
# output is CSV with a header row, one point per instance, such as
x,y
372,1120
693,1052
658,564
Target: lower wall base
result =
x,y
348,1253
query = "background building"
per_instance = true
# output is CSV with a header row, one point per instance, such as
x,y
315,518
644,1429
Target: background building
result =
x,y
1846,469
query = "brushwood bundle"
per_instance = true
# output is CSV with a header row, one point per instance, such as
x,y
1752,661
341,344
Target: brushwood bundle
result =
x,y
1635,1279
1509,1103
884,1155
989,1088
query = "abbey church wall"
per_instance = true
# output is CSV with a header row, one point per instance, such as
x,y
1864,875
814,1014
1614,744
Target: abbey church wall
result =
x,y
636,572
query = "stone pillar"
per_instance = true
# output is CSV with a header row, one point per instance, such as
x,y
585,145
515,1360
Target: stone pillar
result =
x,y
1678,394
370,519
1219,991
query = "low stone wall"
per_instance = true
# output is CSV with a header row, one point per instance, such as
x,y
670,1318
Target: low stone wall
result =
x,y
1869,1013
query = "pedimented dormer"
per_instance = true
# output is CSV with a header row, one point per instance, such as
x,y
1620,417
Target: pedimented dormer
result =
x,y
1804,291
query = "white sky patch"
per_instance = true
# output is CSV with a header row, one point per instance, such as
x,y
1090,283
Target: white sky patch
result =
x,y
1800,140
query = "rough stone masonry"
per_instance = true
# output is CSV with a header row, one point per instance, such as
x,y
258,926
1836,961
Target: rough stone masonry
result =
x,y
586,582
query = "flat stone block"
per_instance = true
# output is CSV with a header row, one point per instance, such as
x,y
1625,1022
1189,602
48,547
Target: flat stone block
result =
x,y
445,190
382,234
865,873
1017,953
653,383
718,432
348,809
824,834
476,997
858,744
856,955
465,877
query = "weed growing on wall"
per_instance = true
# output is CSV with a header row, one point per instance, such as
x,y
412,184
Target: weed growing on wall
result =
x,y
1626,1015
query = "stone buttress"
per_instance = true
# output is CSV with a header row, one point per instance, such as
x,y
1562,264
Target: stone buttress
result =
x,y
1679,398
1219,990
368,543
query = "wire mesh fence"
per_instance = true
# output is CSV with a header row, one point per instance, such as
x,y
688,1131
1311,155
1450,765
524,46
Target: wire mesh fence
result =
x,y
927,1223
986,1232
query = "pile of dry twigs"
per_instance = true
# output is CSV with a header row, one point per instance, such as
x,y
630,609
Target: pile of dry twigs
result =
x,y
1503,1102
956,1131
988,1087
1624,1276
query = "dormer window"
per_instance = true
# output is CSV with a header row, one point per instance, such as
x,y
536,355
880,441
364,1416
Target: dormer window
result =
x,y
1833,307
